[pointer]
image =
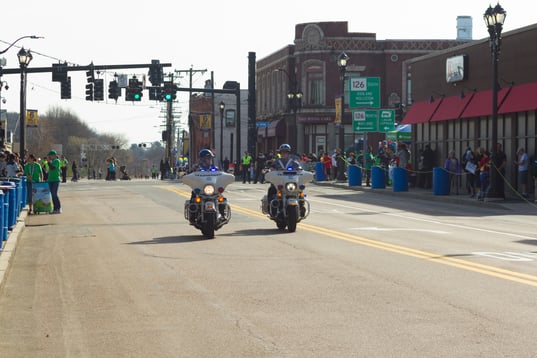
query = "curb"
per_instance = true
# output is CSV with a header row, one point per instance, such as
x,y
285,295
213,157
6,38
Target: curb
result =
x,y
10,245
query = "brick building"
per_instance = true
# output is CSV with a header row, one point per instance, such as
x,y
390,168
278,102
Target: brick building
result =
x,y
454,115
309,68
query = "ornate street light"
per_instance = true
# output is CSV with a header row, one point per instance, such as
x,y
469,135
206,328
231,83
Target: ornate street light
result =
x,y
342,60
294,98
221,106
25,57
494,19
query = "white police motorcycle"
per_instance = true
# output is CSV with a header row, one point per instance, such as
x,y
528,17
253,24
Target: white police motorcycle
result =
x,y
208,209
288,206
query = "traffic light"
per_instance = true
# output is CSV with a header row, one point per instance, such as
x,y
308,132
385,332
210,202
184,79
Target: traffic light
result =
x,y
155,73
65,88
134,90
155,93
114,92
90,76
400,112
89,92
169,92
59,72
89,86
98,90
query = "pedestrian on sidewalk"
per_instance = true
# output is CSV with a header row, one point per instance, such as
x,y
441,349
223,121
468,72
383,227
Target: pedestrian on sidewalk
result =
x,y
34,173
523,164
54,177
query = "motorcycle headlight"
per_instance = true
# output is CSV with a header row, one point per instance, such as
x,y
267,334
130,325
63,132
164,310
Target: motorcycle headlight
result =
x,y
208,189
290,186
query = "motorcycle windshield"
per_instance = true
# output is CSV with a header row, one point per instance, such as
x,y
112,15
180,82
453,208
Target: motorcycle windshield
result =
x,y
277,177
199,179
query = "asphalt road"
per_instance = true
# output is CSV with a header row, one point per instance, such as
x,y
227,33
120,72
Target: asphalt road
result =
x,y
121,274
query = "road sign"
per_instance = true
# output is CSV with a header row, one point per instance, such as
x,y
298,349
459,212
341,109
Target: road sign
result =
x,y
373,120
386,120
365,121
364,92
262,124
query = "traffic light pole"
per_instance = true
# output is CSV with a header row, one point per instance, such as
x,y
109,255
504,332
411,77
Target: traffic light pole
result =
x,y
237,93
66,68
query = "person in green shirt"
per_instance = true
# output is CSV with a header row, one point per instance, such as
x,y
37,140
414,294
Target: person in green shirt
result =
x,y
369,161
34,173
54,174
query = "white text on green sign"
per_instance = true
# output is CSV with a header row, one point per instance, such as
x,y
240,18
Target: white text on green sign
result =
x,y
364,92
364,121
373,120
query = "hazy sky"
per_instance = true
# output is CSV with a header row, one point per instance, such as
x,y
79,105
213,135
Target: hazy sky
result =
x,y
205,35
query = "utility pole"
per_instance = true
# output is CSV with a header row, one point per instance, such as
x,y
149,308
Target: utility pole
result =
x,y
190,120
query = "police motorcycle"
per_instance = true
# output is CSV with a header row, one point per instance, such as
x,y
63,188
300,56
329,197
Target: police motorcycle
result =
x,y
207,209
286,202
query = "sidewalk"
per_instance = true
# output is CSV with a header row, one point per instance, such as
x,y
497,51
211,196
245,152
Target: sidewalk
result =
x,y
509,203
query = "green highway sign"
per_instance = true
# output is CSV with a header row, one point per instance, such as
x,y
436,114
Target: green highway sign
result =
x,y
365,121
364,92
386,120
373,120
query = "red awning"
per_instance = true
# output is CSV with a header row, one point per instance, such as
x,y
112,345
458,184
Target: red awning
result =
x,y
421,112
451,107
481,103
521,98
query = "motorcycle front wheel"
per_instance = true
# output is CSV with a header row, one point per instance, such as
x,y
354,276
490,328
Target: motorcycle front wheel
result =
x,y
208,226
292,216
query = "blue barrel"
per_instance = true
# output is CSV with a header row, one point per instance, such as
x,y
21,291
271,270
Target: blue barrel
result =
x,y
12,214
378,178
24,191
319,171
5,219
400,179
18,200
3,235
354,175
440,181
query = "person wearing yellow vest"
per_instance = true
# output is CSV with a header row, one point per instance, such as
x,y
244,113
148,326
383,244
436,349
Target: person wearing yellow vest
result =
x,y
63,168
246,162
44,165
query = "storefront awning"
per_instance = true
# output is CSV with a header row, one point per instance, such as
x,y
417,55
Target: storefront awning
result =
x,y
276,128
481,103
421,112
521,98
452,107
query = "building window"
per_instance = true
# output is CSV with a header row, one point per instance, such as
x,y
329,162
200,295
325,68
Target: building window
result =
x,y
230,118
315,83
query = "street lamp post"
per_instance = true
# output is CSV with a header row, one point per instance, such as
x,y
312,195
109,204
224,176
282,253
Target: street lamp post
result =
x,y
294,97
221,106
3,126
25,57
342,64
494,19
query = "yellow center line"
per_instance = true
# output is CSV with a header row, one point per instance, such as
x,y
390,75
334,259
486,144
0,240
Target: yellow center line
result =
x,y
497,272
